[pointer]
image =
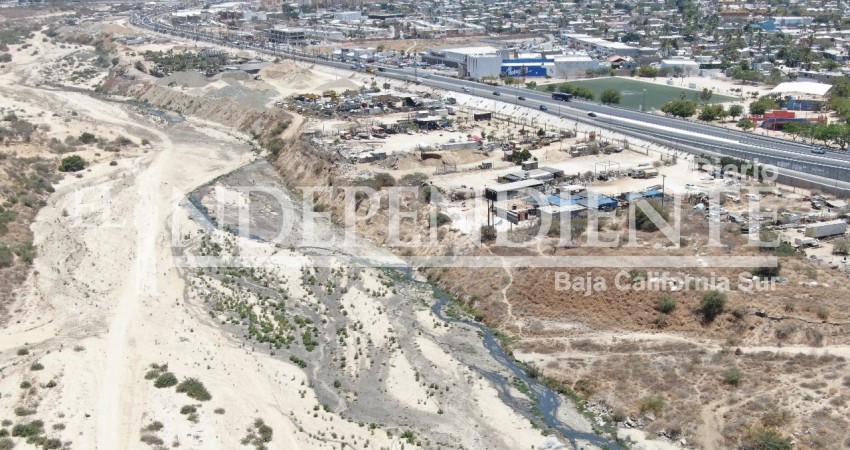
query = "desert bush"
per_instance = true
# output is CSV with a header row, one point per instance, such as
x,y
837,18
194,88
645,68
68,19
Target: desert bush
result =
x,y
413,179
841,247
488,233
7,258
154,426
712,305
194,389
37,366
87,138
443,219
34,428
73,163
26,385
642,220
651,403
739,312
52,444
164,380
822,313
23,351
379,181
6,444
733,377
776,417
666,304
188,409
151,439
24,411
767,439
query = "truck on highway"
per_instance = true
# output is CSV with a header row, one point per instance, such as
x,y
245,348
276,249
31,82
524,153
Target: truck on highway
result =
x,y
826,229
562,96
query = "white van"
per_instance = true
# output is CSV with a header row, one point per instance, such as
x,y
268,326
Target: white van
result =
x,y
733,198
753,197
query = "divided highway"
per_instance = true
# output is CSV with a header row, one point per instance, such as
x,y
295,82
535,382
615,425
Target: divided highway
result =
x,y
795,160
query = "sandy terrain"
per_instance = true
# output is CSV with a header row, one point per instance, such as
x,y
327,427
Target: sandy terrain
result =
x,y
108,298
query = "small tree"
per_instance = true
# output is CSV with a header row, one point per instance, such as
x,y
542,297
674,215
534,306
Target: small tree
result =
x,y
74,163
736,111
712,305
610,96
746,124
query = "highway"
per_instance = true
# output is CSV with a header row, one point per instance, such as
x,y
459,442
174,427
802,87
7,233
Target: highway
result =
x,y
831,169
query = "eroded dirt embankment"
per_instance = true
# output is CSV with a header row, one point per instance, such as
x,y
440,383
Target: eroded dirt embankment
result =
x,y
257,122
302,164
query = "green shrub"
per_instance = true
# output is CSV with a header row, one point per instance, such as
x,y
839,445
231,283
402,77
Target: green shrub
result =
x,y
194,389
712,304
666,304
443,219
488,233
34,428
642,220
6,444
37,366
188,409
652,403
767,439
24,411
264,431
73,163
733,377
87,138
164,380
52,444
7,258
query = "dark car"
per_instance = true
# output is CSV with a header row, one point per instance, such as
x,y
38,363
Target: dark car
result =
x,y
381,69
520,98
591,114
544,108
496,93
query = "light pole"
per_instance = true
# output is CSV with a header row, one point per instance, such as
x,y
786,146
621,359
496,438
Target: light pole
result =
x,y
643,103
663,192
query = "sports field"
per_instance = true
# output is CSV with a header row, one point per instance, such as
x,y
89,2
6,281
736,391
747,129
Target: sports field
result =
x,y
631,92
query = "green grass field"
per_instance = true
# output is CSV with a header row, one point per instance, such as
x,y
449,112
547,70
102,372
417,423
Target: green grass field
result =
x,y
631,92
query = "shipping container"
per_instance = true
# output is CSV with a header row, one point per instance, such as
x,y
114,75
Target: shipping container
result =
x,y
826,229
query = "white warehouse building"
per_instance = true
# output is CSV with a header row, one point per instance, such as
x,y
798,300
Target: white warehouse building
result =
x,y
481,66
688,66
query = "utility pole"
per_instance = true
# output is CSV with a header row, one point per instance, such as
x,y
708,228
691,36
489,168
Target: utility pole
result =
x,y
663,191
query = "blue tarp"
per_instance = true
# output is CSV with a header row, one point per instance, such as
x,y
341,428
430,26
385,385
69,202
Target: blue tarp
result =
x,y
602,202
